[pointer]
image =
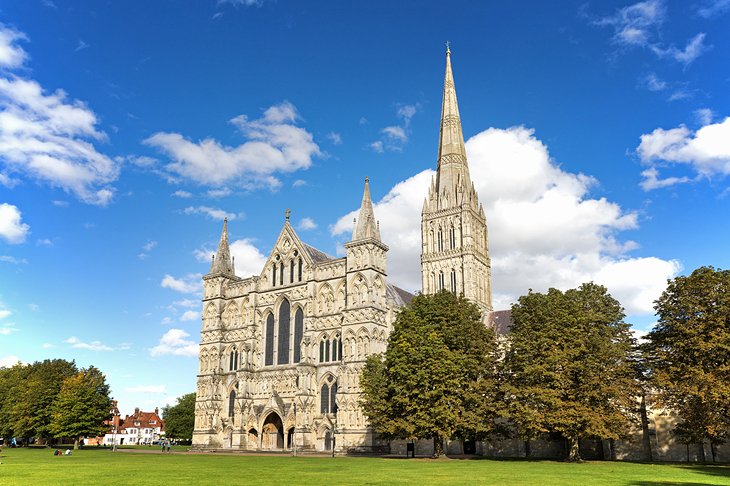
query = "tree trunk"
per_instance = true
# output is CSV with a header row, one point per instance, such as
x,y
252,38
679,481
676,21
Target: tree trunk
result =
x,y
646,438
703,459
76,444
438,446
573,449
528,449
712,450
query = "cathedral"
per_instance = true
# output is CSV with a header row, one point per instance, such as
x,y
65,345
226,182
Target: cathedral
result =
x,y
281,352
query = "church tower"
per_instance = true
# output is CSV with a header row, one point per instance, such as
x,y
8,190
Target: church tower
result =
x,y
454,254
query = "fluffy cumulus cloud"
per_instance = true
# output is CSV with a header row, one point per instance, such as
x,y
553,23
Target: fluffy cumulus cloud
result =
x,y
189,284
12,229
90,346
174,342
275,144
247,257
47,136
706,151
639,25
544,228
307,224
190,315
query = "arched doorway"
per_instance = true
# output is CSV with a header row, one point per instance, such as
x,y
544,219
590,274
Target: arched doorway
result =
x,y
253,439
327,440
273,432
290,438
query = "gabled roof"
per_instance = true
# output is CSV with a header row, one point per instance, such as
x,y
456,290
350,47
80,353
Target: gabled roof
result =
x,y
400,297
316,255
500,321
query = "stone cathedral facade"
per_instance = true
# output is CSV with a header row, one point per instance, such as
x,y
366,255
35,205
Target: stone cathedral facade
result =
x,y
281,351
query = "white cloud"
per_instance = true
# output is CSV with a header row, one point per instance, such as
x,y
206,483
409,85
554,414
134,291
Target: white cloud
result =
x,y
335,138
189,284
81,46
9,361
4,312
92,346
694,48
243,3
212,213
639,25
713,8
190,315
544,229
186,303
275,144
299,183
147,389
653,83
704,116
652,180
182,194
11,228
248,259
142,161
11,55
406,112
146,249
706,151
395,133
12,260
307,224
377,146
8,182
44,242
8,329
174,342
218,193
47,136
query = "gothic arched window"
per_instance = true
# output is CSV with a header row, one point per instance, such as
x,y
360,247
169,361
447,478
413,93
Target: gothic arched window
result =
x,y
334,349
452,237
453,280
273,275
324,402
321,350
231,403
298,333
441,240
284,331
328,396
291,271
441,280
235,361
230,362
269,351
300,269
281,273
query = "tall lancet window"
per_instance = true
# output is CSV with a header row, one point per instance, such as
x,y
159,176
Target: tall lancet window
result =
x,y
281,273
298,333
291,271
440,240
273,276
441,280
300,269
269,350
452,237
284,331
453,280
231,403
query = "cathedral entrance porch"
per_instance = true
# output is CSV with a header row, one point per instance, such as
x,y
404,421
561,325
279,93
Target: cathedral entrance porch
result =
x,y
272,437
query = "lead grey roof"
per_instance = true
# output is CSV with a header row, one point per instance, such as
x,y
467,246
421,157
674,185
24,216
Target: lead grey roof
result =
x,y
500,321
400,297
316,255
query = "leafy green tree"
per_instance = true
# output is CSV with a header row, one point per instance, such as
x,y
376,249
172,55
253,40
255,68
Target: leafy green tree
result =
x,y
25,407
180,418
82,406
437,378
570,366
688,355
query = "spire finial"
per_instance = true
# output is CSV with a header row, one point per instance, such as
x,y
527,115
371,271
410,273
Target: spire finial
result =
x,y
287,213
448,48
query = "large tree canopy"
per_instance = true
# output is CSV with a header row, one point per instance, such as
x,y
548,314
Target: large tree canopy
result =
x,y
180,418
437,377
27,394
569,367
688,354
82,405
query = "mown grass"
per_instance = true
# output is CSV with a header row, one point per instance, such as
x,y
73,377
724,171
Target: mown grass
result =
x,y
99,466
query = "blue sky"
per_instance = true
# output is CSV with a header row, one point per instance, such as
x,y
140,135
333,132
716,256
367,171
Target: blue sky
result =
x,y
598,138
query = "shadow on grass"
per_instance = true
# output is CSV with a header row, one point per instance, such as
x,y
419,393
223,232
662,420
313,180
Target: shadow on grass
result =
x,y
719,471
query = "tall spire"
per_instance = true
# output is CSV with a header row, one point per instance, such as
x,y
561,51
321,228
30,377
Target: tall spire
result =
x,y
366,226
222,262
452,165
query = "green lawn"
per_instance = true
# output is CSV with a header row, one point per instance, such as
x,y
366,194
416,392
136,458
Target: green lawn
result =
x,y
99,466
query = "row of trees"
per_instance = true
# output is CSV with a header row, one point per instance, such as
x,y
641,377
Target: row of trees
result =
x,y
52,399
570,367
180,418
